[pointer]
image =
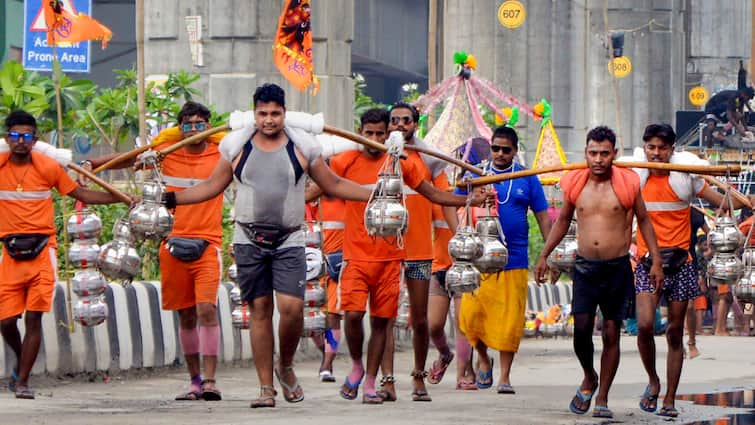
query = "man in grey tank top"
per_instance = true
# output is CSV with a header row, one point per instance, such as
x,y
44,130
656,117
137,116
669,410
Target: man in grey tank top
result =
x,y
268,241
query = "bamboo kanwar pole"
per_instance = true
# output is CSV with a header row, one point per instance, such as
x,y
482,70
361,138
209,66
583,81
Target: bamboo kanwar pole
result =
x,y
140,89
696,169
136,152
446,158
103,184
741,197
706,213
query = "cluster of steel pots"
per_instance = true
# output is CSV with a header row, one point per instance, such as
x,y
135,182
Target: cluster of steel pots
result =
x,y
87,283
477,250
386,215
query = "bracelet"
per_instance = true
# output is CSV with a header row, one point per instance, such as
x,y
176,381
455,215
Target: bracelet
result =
x,y
170,200
81,163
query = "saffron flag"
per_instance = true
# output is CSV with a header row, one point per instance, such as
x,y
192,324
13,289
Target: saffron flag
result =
x,y
292,49
64,27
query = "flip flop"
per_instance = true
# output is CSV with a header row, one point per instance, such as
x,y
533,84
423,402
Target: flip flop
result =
x,y
505,389
602,412
668,412
583,397
485,379
13,381
438,369
347,387
421,395
651,398
289,391
372,399
327,376
25,393
264,400
210,393
191,395
466,385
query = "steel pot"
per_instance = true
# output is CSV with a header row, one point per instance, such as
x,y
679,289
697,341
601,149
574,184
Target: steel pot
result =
x,y
315,263
241,316
153,192
122,231
725,267
402,317
235,296
489,226
465,245
462,277
312,234
314,294
315,322
564,256
389,184
744,289
150,221
90,311
386,217
87,283
553,329
725,235
84,225
494,256
119,260
748,256
233,273
83,253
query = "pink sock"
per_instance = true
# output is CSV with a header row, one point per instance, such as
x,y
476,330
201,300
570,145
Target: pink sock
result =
x,y
463,349
357,371
441,343
189,340
337,337
369,385
209,340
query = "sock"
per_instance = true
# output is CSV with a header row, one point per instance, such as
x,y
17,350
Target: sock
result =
x,y
209,340
463,349
441,343
334,338
357,370
196,381
369,385
189,340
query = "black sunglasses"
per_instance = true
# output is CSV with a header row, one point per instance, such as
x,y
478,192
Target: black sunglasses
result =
x,y
15,136
397,120
505,149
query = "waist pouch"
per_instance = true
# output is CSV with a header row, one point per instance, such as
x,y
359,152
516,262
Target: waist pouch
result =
x,y
25,247
333,263
269,236
186,249
672,260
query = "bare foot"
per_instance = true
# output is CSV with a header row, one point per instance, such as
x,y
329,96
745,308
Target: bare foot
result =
x,y
693,351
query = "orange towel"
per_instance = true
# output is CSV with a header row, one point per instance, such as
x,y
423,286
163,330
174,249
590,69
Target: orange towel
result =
x,y
173,135
626,185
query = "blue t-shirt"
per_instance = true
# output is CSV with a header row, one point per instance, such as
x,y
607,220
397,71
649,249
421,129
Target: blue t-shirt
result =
x,y
515,197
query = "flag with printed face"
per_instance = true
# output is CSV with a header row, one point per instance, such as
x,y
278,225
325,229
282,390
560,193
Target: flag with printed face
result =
x,y
64,27
292,49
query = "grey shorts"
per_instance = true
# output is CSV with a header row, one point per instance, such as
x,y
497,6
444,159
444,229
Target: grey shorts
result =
x,y
262,271
418,270
438,286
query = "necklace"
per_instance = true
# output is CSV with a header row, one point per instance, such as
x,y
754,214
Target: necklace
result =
x,y
19,182
511,183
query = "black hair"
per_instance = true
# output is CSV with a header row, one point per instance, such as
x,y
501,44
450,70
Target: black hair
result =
x,y
409,106
749,92
192,108
19,117
508,133
601,133
270,92
661,131
374,116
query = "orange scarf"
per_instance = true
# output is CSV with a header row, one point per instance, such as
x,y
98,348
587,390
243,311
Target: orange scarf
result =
x,y
626,185
173,135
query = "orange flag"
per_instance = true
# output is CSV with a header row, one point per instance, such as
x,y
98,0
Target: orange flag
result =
x,y
65,27
292,49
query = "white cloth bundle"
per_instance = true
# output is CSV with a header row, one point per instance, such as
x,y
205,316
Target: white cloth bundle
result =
x,y
685,185
62,156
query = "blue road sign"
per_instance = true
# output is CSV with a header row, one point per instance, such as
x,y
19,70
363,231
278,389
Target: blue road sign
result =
x,y
37,54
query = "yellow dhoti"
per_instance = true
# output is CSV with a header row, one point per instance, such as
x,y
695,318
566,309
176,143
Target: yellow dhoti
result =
x,y
494,314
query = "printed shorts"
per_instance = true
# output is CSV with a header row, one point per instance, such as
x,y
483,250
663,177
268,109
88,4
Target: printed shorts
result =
x,y
681,286
418,270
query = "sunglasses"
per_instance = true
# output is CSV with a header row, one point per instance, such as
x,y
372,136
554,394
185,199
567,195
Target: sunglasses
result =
x,y
188,126
505,149
397,120
15,136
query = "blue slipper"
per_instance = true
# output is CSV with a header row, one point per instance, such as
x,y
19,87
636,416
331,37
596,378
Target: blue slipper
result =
x,y
348,387
582,396
652,400
505,389
602,412
668,412
485,379
13,381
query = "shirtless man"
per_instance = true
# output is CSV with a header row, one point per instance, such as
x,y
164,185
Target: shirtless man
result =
x,y
605,198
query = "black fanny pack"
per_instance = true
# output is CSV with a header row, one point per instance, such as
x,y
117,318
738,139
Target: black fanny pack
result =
x,y
24,247
269,236
672,260
186,249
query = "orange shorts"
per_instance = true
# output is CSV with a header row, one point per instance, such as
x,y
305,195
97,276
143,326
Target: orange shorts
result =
x,y
378,280
723,288
186,284
701,303
334,302
27,285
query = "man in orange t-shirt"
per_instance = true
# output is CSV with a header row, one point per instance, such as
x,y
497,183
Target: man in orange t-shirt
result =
x,y
28,267
190,283
372,266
